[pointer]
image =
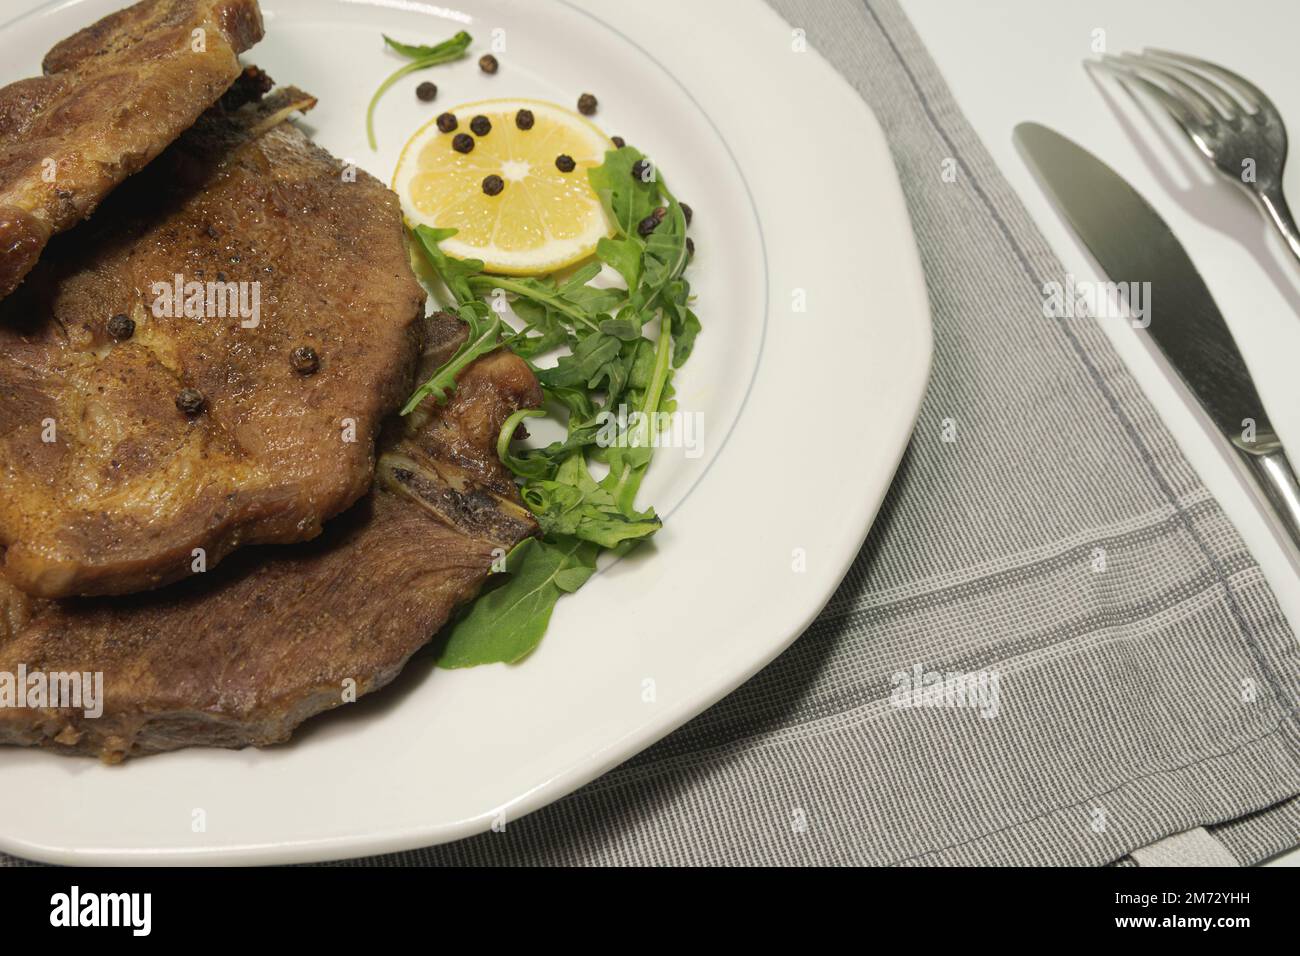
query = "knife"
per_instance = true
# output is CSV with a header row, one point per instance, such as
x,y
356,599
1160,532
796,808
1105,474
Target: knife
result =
x,y
1133,244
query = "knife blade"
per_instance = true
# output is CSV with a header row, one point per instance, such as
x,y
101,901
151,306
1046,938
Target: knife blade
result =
x,y
1133,244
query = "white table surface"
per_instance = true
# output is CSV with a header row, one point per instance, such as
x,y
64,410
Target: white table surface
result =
x,y
1008,61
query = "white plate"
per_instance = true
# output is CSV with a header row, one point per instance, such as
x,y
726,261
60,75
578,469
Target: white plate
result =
x,y
808,374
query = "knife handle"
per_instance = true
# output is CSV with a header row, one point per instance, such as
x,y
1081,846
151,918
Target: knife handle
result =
x,y
1277,479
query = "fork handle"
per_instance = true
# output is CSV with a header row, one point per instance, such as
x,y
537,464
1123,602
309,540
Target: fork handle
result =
x,y
1277,479
1279,213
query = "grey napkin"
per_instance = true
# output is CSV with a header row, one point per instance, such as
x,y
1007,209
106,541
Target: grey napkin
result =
x,y
1114,669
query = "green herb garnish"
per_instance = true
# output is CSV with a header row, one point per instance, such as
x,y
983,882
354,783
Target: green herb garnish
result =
x,y
608,365
484,325
505,624
421,57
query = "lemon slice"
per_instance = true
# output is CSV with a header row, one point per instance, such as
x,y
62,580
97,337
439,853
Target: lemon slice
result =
x,y
541,220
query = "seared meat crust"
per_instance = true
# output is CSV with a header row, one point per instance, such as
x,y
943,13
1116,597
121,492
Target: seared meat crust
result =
x,y
112,98
243,655
109,486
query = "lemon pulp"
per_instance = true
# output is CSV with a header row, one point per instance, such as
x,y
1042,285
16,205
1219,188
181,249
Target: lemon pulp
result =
x,y
541,220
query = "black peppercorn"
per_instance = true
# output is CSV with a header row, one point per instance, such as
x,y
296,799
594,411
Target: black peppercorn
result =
x,y
564,163
642,170
586,104
447,122
618,141
647,225
481,125
690,247
426,91
493,184
462,142
305,360
190,401
488,63
524,119
687,212
121,326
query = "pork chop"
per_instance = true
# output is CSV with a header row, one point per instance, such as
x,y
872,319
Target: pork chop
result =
x,y
149,427
247,652
112,98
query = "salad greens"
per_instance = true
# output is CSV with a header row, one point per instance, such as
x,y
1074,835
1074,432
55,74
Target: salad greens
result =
x,y
506,623
485,325
609,387
421,57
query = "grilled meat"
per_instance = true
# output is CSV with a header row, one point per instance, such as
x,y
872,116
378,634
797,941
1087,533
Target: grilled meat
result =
x,y
144,433
244,654
112,98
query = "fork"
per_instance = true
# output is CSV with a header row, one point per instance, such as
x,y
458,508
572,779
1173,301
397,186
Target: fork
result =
x,y
1229,120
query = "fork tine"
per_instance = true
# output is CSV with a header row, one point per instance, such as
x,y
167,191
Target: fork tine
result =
x,y
1248,91
1176,108
1188,93
1192,84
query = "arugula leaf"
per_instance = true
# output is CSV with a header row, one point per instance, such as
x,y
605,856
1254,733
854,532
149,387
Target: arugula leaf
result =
x,y
627,198
685,331
551,332
484,337
686,324
485,326
577,401
538,290
641,372
506,624
588,512
586,365
421,58
423,51
455,273
624,256
626,325
580,277
665,254
628,464
595,300
528,467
